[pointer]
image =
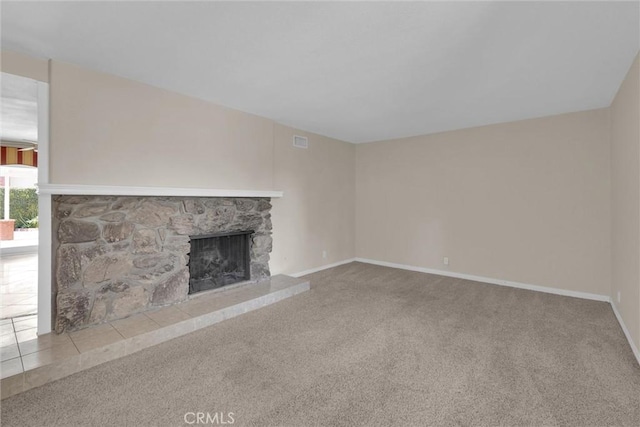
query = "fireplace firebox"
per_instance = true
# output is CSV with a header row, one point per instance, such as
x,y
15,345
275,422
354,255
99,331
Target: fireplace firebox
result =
x,y
217,260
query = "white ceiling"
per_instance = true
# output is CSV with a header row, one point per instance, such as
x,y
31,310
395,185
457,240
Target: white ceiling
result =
x,y
354,71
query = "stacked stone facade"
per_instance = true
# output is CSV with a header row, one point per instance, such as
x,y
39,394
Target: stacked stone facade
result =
x,y
117,256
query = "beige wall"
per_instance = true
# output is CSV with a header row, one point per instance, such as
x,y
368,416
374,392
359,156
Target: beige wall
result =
x,y
25,66
526,201
317,212
108,130
625,200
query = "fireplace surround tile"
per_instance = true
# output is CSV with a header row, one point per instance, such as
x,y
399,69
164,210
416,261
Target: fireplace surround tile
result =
x,y
102,354
48,373
209,319
194,308
99,336
12,385
135,325
42,343
49,356
167,316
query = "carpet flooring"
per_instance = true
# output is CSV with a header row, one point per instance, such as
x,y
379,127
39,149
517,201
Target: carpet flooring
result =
x,y
368,345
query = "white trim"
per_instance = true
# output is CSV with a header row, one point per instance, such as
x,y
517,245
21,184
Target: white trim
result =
x,y
634,349
324,267
45,301
111,190
556,291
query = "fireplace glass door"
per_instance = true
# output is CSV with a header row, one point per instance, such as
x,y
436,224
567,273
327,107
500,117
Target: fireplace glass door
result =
x,y
218,260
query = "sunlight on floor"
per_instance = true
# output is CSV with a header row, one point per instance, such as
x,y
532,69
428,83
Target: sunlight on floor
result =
x,y
18,285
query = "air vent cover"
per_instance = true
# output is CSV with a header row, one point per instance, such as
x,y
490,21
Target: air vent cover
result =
x,y
300,141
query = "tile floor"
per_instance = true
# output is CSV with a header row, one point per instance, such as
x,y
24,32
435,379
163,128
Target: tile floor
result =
x,y
23,350
29,360
18,285
23,241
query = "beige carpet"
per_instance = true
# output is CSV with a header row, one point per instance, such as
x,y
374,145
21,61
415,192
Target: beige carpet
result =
x,y
369,346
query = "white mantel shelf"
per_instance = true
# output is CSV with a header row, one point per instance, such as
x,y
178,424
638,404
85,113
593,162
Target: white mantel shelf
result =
x,y
109,190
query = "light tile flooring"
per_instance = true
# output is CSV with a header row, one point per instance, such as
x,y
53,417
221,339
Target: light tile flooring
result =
x,y
18,338
18,285
23,241
22,350
29,360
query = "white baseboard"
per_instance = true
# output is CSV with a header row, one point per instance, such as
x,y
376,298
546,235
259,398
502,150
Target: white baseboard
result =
x,y
634,349
556,291
323,267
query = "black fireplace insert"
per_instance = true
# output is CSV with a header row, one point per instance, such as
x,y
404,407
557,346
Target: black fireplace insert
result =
x,y
217,260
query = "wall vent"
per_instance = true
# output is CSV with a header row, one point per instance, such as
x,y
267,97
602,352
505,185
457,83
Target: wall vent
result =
x,y
300,141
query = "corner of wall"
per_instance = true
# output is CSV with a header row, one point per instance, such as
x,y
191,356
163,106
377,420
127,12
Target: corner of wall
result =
x,y
624,134
314,223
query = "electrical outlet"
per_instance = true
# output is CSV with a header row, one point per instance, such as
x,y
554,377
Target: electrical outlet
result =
x,y
324,254
618,297
445,260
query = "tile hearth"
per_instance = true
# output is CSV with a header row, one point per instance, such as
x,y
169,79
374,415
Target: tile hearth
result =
x,y
29,361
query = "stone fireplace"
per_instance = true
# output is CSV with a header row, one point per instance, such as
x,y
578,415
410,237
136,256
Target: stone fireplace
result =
x,y
117,256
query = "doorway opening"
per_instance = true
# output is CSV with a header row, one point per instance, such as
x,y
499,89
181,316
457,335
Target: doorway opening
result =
x,y
19,224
